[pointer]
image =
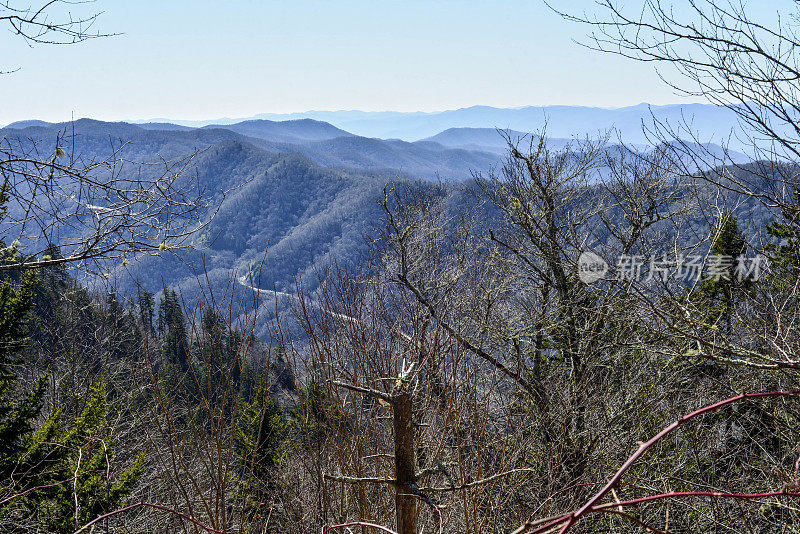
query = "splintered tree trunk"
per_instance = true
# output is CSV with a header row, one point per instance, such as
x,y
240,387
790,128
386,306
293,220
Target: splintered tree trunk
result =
x,y
405,502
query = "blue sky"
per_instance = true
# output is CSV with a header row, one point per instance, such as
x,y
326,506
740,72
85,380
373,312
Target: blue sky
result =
x,y
201,59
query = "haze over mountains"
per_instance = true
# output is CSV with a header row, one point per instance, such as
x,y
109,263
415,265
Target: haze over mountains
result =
x,y
447,145
319,141
712,123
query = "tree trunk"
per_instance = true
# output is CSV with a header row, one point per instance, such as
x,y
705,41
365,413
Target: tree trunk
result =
x,y
405,502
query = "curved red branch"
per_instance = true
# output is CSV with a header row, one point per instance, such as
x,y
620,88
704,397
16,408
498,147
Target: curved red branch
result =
x,y
567,521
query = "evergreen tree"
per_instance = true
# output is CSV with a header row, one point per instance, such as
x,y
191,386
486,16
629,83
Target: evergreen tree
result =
x,y
260,434
146,304
63,460
78,454
53,284
121,335
218,352
315,416
18,410
172,326
718,292
258,445
784,256
214,339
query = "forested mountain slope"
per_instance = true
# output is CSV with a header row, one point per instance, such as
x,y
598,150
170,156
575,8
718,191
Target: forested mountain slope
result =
x,y
316,140
281,212
286,221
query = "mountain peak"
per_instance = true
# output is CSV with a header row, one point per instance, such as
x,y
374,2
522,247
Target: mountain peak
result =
x,y
33,123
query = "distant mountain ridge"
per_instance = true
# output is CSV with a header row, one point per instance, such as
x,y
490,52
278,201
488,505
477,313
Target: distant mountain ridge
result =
x,y
29,124
453,154
319,141
711,123
490,140
287,131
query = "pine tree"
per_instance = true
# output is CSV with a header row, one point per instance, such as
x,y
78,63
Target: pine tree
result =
x,y
259,446
121,335
218,352
260,434
718,292
146,304
784,256
69,464
47,457
18,410
172,326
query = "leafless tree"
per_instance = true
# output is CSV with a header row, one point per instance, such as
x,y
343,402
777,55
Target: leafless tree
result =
x,y
51,21
727,54
721,52
99,214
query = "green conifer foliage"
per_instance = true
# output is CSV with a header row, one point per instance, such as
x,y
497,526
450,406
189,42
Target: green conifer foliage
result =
x,y
18,410
84,447
47,467
260,434
259,446
146,305
172,326
784,255
718,292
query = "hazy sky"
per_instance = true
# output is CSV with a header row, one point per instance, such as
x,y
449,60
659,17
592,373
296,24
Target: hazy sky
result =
x,y
202,59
